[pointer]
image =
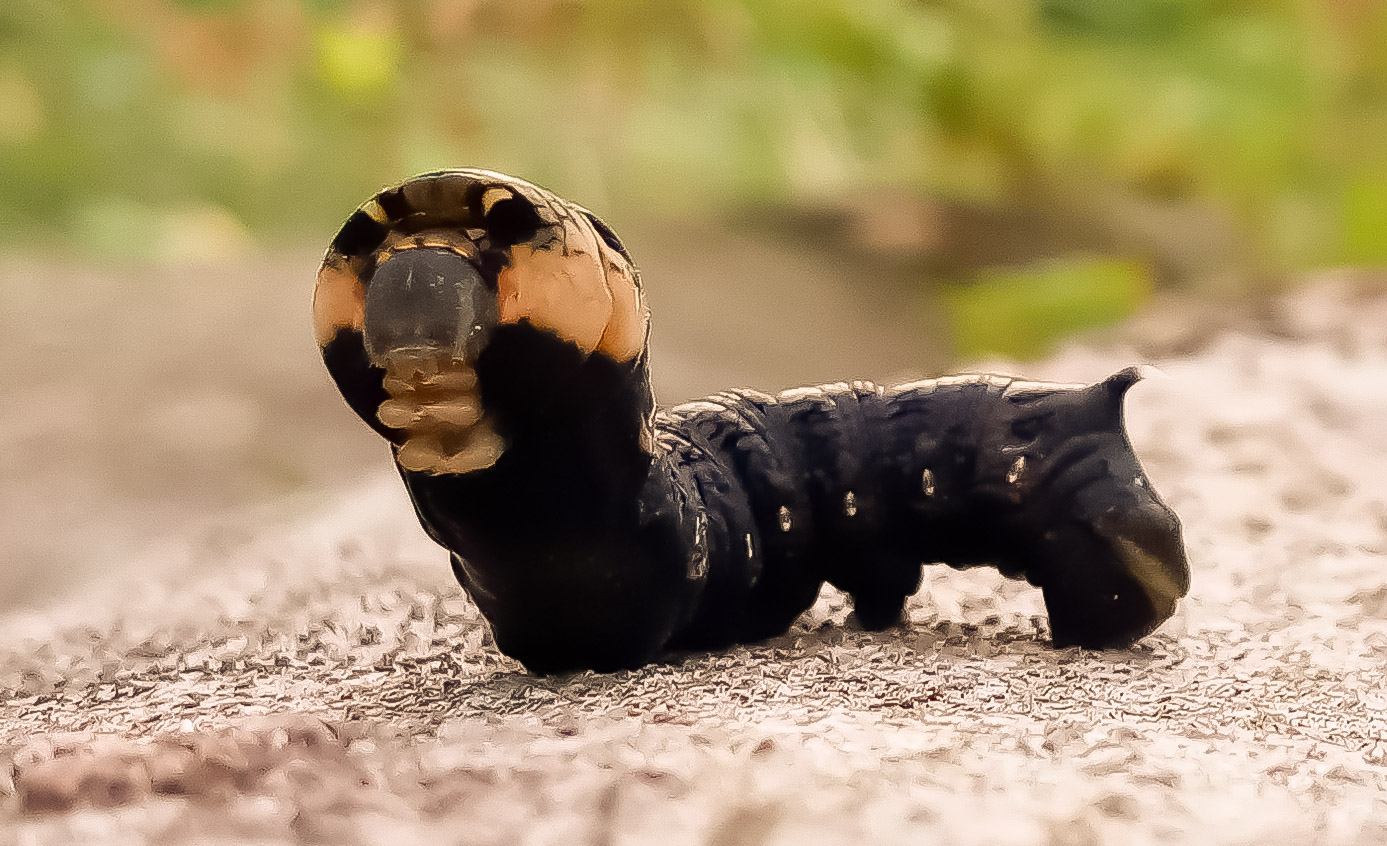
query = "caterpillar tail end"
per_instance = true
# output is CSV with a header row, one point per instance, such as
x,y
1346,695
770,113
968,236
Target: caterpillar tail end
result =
x,y
1119,580
1111,563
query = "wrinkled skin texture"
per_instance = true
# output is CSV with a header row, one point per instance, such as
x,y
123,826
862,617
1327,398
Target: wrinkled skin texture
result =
x,y
495,335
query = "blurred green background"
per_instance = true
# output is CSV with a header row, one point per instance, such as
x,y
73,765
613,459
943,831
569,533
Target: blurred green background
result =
x,y
1041,164
815,190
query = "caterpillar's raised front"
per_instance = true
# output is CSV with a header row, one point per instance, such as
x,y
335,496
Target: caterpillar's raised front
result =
x,y
496,335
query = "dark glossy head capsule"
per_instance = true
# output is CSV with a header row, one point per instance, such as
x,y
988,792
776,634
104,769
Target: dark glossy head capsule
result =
x,y
427,301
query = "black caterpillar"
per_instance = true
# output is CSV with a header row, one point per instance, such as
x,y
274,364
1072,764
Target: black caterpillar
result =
x,y
496,335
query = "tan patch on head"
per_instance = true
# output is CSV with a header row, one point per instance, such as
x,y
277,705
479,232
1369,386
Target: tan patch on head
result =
x,y
373,210
560,286
492,196
626,331
448,239
339,300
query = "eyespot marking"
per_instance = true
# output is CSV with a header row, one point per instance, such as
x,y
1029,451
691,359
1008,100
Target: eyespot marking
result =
x,y
360,235
511,221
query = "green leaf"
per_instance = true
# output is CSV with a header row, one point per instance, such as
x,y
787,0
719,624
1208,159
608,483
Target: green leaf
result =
x,y
1019,312
358,62
1365,219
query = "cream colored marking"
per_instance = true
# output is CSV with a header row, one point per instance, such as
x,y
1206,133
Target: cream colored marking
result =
x,y
1021,387
373,210
1017,467
460,380
339,300
422,454
961,380
430,454
666,438
561,288
699,568
434,401
480,452
927,482
787,521
850,504
458,412
1155,578
410,414
698,407
492,196
753,395
793,394
629,324
750,549
397,413
542,200
918,385
447,239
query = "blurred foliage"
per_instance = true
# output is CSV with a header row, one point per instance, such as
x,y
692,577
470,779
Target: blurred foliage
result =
x,y
1018,311
175,127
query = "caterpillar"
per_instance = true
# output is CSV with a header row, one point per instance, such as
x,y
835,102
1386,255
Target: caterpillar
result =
x,y
497,337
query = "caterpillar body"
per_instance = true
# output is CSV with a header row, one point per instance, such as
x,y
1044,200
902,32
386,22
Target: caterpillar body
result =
x,y
496,335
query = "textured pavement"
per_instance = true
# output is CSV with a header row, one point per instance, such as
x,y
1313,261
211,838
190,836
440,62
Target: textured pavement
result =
x,y
310,673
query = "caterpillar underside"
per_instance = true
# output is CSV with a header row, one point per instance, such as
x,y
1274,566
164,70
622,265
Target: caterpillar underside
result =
x,y
496,335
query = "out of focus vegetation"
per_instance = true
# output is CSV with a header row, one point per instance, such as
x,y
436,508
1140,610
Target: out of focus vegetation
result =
x,y
1206,143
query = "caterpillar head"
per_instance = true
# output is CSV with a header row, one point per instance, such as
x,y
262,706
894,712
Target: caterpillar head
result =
x,y
420,277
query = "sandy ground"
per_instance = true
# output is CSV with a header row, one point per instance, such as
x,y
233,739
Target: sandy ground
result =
x,y
308,672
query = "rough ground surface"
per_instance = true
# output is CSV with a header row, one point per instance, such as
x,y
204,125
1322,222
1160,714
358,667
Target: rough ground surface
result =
x,y
315,675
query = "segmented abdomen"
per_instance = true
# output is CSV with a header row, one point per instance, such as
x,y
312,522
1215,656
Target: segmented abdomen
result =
x,y
848,483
